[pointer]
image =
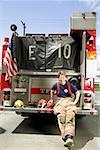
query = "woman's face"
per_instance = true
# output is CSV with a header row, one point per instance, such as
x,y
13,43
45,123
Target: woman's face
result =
x,y
62,78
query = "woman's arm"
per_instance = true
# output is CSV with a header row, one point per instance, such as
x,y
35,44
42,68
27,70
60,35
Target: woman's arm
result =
x,y
77,97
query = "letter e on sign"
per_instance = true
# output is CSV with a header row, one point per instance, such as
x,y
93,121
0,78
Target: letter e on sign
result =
x,y
31,52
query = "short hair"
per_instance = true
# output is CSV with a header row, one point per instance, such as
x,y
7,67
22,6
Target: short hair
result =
x,y
61,73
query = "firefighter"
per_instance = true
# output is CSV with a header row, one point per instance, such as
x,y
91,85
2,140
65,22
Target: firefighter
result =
x,y
65,107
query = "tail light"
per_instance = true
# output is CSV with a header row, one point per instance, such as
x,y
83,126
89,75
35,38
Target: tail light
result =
x,y
87,95
89,84
87,100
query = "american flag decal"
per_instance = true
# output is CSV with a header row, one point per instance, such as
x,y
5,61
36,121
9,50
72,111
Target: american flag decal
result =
x,y
10,61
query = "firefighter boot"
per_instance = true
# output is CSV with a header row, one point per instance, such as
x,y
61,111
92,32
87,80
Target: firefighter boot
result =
x,y
69,142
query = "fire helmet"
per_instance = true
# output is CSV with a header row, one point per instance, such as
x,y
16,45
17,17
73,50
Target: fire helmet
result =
x,y
19,104
42,103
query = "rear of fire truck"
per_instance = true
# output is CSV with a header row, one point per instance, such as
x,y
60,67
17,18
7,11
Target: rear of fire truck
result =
x,y
40,57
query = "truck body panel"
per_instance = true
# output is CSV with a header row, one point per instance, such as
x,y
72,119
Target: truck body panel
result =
x,y
40,57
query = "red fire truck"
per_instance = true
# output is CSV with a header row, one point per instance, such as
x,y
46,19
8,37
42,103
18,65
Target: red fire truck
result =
x,y
40,57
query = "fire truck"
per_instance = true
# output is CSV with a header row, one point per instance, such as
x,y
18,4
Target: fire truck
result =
x,y
39,59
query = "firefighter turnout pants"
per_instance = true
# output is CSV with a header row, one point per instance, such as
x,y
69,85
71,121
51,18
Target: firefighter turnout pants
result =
x,y
66,116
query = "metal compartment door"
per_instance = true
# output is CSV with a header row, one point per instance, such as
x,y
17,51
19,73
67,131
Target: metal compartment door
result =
x,y
39,88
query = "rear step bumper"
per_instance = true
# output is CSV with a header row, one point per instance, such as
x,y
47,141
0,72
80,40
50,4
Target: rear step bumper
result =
x,y
87,112
46,110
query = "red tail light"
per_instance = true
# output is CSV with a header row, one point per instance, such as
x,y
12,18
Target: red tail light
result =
x,y
87,100
87,95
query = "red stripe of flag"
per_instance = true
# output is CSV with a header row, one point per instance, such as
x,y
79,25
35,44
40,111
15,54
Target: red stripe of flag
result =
x,y
11,65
